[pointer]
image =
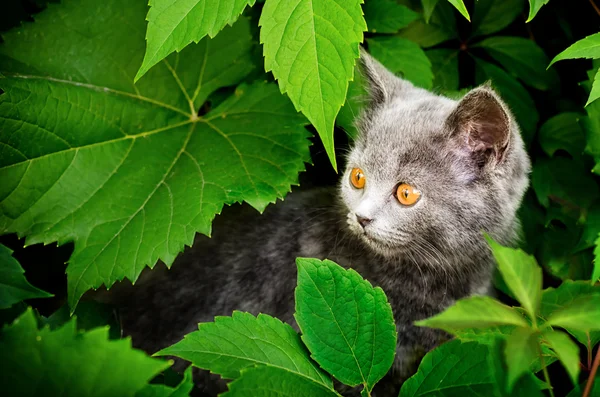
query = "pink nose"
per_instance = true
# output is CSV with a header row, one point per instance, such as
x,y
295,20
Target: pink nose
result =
x,y
363,221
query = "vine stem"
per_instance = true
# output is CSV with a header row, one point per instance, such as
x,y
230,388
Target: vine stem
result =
x,y
546,375
590,381
595,7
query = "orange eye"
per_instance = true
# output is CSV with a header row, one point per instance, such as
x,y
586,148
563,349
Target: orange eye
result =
x,y
407,195
357,178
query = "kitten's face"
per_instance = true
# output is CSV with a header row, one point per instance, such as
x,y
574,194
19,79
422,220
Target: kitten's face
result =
x,y
466,185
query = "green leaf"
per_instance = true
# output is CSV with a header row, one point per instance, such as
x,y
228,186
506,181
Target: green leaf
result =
x,y
521,273
387,16
183,389
596,273
474,312
565,181
49,362
555,298
582,314
562,131
268,381
520,351
441,27
566,350
346,324
311,47
428,8
450,370
460,6
534,7
131,172
522,58
513,93
172,25
588,47
403,56
491,16
591,126
486,336
444,66
591,228
14,287
595,93
230,344
90,314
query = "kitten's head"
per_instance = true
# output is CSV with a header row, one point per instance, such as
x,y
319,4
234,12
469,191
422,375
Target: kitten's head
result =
x,y
428,174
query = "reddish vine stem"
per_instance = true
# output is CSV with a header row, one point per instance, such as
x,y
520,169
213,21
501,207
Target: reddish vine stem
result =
x,y
595,7
590,381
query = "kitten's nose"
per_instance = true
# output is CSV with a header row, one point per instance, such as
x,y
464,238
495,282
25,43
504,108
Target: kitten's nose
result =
x,y
363,221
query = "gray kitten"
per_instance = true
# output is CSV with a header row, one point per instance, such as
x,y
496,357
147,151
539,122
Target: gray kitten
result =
x,y
425,178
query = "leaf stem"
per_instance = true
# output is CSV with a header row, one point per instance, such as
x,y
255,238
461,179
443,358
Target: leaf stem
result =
x,y
546,376
590,381
595,7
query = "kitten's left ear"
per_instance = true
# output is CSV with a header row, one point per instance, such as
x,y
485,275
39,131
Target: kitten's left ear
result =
x,y
481,125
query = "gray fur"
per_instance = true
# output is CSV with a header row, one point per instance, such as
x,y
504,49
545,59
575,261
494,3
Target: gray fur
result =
x,y
466,157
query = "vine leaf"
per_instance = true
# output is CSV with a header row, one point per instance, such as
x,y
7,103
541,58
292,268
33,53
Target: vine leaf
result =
x,y
49,362
460,6
230,344
387,16
14,287
581,314
346,324
566,350
157,390
172,25
562,131
520,351
534,7
311,47
596,272
588,47
131,172
595,92
491,16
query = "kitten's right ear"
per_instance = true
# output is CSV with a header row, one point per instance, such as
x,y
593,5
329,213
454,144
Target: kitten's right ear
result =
x,y
380,82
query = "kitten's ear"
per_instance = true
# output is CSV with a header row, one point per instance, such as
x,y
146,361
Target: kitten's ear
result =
x,y
380,82
481,125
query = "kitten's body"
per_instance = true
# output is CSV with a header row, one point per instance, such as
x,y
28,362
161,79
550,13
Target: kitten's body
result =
x,y
466,157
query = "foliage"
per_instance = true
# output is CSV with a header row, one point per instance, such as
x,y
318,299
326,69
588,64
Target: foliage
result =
x,y
126,126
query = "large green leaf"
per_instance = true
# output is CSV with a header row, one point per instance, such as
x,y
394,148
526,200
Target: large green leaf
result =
x,y
460,6
441,27
404,57
444,66
588,47
474,312
522,275
14,287
311,47
268,381
387,16
173,24
555,298
581,314
562,131
346,324
490,16
230,344
52,363
520,351
157,390
131,172
534,7
566,350
522,58
515,95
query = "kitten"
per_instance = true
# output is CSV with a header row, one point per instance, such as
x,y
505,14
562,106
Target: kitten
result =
x,y
425,177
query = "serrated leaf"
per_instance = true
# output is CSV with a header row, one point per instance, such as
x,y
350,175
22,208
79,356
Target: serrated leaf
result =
x,y
131,172
173,24
582,314
230,344
387,16
460,6
183,389
534,7
403,57
515,95
522,58
440,28
14,287
49,362
474,312
562,131
491,16
268,381
346,324
588,47
520,351
428,8
452,369
90,314
566,350
595,92
521,273
444,66
311,47
555,298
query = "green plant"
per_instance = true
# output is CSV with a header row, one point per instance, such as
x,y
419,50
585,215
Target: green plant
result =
x,y
127,138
